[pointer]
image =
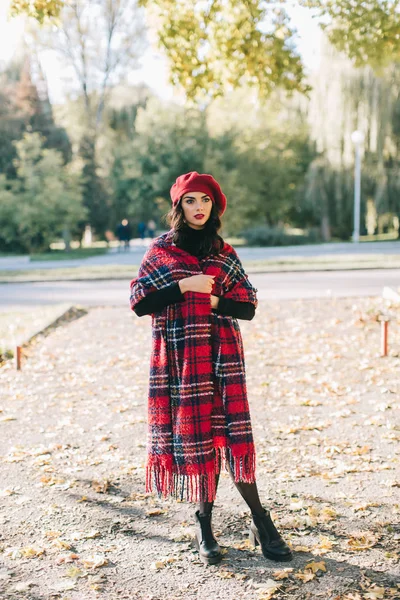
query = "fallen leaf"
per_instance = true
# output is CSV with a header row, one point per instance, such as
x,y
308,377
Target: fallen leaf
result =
x,y
309,402
101,487
52,534
305,576
316,566
95,561
324,545
296,504
243,545
61,544
374,593
282,574
361,541
226,574
156,566
267,589
66,558
156,511
30,552
301,549
81,535
75,573
7,492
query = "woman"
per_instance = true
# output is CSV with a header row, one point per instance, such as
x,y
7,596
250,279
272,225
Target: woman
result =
x,y
194,286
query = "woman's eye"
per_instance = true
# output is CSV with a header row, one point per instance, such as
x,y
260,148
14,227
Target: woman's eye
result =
x,y
190,200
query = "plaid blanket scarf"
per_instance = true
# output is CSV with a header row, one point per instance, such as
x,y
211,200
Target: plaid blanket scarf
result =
x,y
198,412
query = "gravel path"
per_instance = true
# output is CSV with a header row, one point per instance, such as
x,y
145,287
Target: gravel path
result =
x,y
77,525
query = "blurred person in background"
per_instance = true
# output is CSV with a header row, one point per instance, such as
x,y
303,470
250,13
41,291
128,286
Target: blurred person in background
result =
x,y
142,229
124,234
151,228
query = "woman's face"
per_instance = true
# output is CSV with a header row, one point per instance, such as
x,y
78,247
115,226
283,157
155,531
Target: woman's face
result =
x,y
196,203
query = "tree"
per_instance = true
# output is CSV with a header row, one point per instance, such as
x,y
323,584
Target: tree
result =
x,y
345,98
40,10
259,161
169,140
271,157
215,46
43,202
93,187
367,31
100,42
22,108
316,196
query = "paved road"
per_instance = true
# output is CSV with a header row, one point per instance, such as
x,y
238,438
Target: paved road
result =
x,y
135,255
269,285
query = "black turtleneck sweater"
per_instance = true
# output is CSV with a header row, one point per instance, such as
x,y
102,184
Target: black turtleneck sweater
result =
x,y
156,301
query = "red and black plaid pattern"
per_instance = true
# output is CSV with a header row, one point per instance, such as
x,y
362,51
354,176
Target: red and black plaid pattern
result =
x,y
198,412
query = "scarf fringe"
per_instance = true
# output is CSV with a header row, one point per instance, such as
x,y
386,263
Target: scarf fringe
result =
x,y
165,479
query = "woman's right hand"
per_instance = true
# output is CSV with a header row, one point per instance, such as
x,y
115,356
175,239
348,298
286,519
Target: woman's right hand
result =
x,y
197,283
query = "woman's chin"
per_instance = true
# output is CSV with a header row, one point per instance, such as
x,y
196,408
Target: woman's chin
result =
x,y
196,225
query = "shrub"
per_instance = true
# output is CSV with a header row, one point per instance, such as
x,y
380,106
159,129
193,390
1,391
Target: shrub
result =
x,y
264,235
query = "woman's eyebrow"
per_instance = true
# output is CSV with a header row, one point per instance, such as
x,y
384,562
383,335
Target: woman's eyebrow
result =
x,y
193,198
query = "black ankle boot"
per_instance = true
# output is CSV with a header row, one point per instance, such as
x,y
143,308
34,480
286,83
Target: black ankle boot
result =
x,y
264,532
209,550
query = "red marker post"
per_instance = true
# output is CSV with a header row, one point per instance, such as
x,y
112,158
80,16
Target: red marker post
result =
x,y
384,337
18,356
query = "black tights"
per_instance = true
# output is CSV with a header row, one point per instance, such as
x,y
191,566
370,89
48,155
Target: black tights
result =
x,y
248,491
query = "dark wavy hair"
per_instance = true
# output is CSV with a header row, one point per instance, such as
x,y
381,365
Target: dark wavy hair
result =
x,y
211,243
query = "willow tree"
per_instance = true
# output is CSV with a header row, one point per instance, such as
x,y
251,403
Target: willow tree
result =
x,y
367,31
346,98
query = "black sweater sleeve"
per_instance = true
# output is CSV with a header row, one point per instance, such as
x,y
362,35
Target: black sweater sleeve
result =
x,y
232,308
156,301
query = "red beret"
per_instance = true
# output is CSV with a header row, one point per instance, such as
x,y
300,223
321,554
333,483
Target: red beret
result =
x,y
198,182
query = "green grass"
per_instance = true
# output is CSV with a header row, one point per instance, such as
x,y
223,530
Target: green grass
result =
x,y
380,237
70,273
71,255
324,263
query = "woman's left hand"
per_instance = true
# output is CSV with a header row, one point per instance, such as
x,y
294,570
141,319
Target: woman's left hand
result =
x,y
214,301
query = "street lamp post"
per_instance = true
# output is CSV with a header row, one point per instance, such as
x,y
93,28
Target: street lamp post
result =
x,y
357,137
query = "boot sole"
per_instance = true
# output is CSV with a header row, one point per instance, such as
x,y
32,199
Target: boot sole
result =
x,y
286,558
213,560
255,542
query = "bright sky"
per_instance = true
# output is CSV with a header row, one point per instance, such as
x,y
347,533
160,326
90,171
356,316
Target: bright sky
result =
x,y
153,70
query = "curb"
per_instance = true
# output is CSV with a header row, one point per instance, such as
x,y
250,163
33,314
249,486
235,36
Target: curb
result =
x,y
79,311
249,271
69,313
